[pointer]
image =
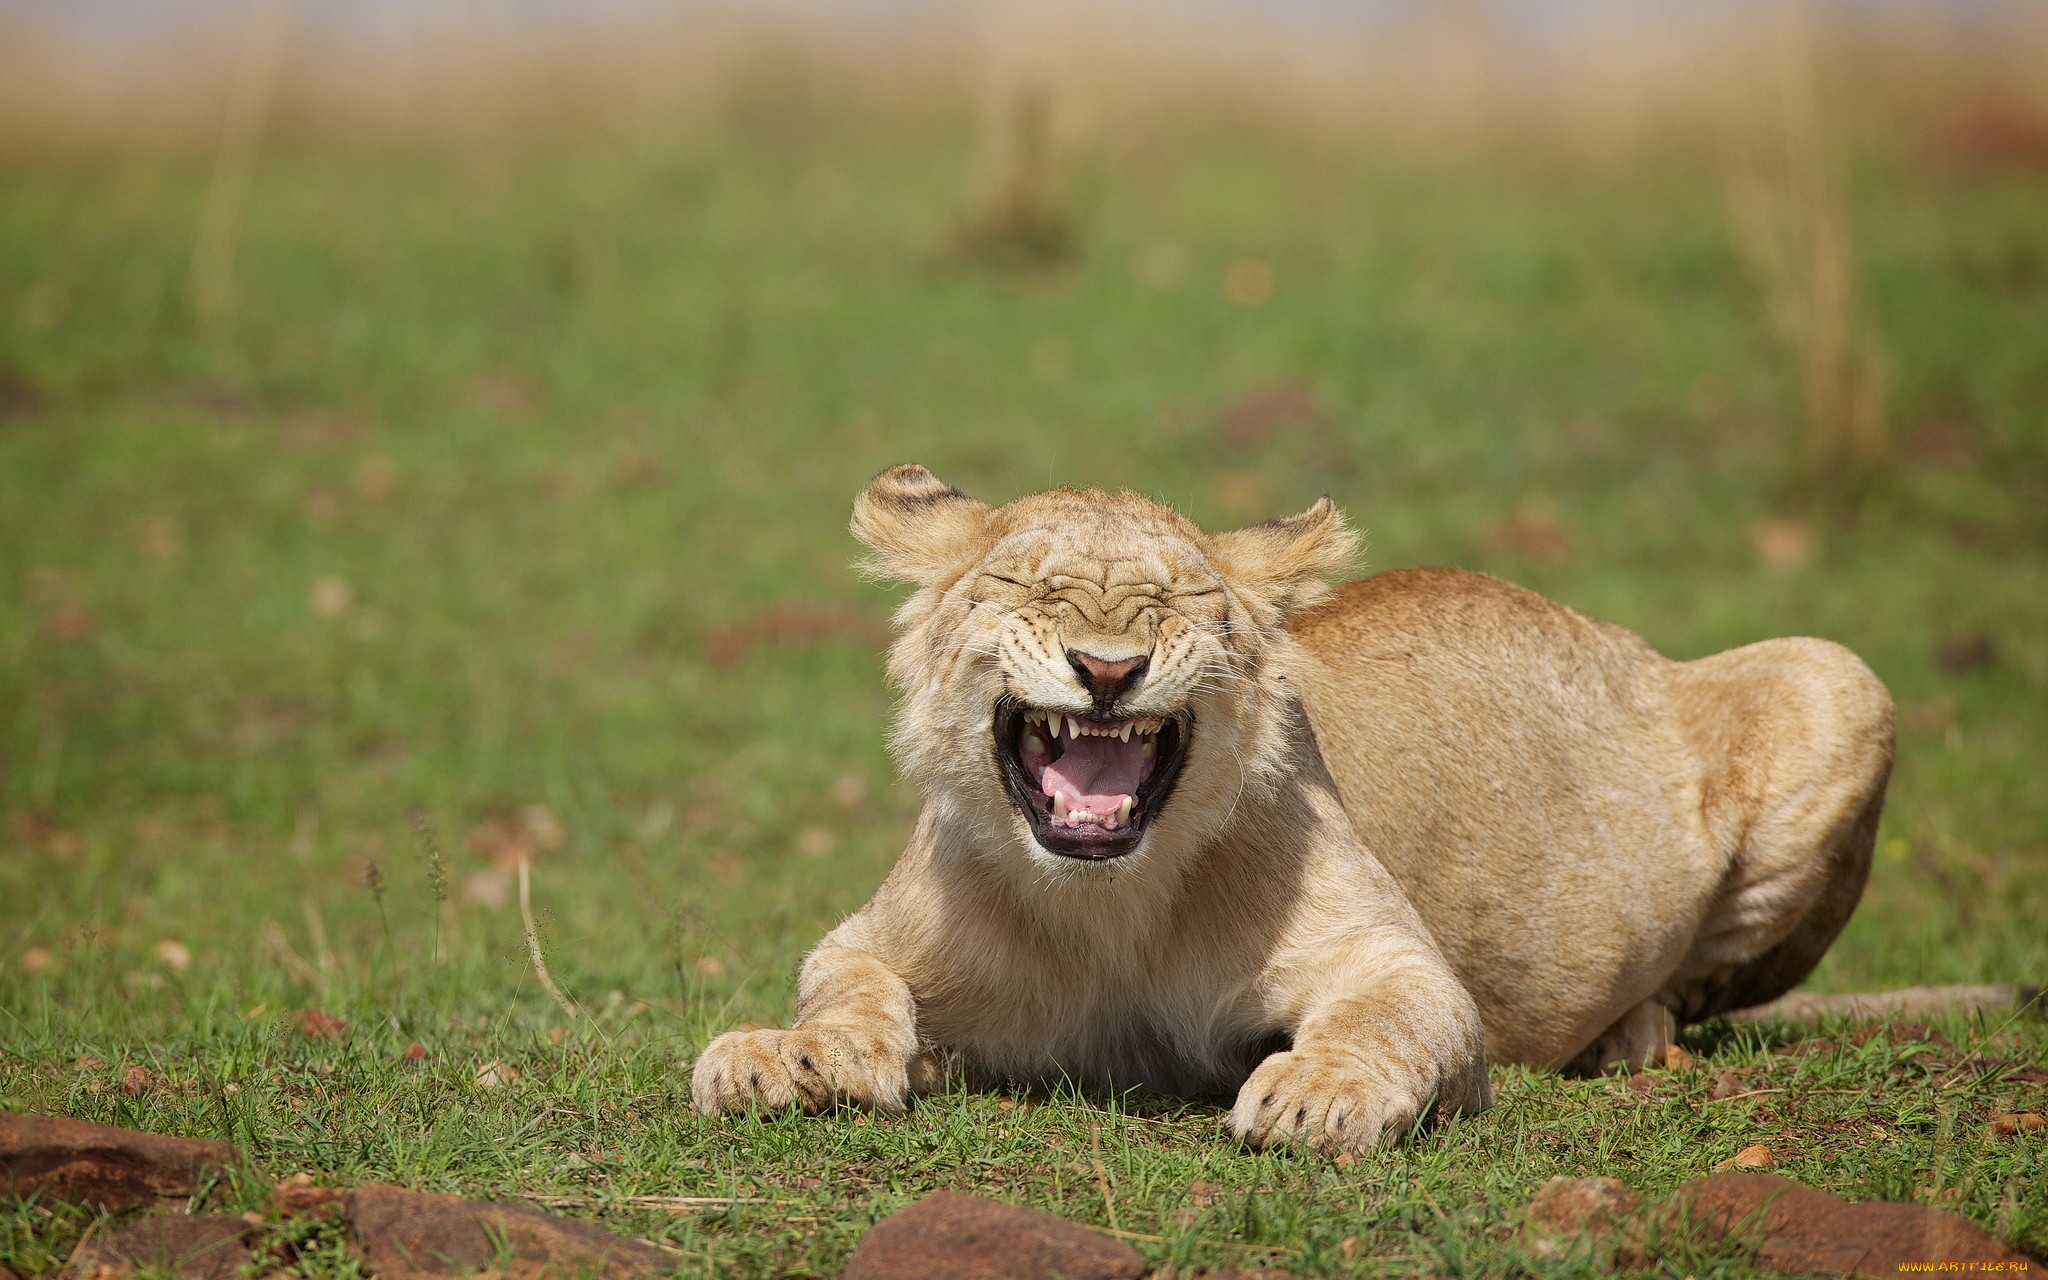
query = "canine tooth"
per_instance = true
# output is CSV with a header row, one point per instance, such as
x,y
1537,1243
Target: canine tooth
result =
x,y
1059,807
1073,728
1054,716
1126,734
1123,810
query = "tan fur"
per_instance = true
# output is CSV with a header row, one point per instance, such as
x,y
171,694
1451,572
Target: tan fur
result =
x,y
1423,819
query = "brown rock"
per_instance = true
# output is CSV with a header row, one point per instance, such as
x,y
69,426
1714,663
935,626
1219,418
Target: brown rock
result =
x,y
96,1164
1726,1086
191,1248
954,1237
1802,1230
399,1234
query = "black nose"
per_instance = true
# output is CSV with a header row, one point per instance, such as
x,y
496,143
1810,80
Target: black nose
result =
x,y
1106,680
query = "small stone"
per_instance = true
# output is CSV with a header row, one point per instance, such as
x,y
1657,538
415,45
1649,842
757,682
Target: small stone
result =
x,y
136,1080
495,1074
2014,1123
1345,1160
81,1163
1348,1248
1726,1086
321,1025
947,1236
401,1235
1754,1156
710,967
415,1051
1677,1059
173,953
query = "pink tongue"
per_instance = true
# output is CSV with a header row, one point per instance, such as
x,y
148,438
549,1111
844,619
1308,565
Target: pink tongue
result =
x,y
1095,774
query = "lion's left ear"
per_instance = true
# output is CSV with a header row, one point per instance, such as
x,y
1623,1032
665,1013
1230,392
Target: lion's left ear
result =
x,y
1284,562
920,528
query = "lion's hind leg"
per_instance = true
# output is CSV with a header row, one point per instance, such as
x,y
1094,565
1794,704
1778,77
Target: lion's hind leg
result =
x,y
1795,737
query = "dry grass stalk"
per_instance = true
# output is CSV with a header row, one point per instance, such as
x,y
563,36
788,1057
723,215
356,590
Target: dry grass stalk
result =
x,y
1017,220
234,164
540,964
1791,225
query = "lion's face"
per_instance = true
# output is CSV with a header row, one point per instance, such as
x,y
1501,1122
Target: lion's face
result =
x,y
1074,659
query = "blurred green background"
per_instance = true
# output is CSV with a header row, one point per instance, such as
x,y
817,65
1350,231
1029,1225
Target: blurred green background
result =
x,y
521,480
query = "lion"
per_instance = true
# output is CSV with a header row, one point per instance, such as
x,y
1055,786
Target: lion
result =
x,y
1196,821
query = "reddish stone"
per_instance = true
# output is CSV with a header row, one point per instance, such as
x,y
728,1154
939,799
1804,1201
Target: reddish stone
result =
x,y
398,1233
191,1248
954,1237
1799,1229
83,1163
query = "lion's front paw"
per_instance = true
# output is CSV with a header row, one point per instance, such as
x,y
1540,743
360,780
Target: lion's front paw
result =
x,y
812,1067
1324,1101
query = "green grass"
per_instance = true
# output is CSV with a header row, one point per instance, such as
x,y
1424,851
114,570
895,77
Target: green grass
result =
x,y
578,432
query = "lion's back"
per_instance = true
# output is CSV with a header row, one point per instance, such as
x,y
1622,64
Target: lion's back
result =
x,y
1514,764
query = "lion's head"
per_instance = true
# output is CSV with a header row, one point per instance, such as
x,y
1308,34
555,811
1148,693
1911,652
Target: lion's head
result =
x,y
1089,672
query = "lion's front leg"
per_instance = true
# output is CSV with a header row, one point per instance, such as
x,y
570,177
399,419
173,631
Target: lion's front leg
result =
x,y
854,1041
1367,1065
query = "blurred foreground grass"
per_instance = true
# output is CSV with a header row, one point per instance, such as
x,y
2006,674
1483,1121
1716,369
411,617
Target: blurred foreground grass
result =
x,y
507,514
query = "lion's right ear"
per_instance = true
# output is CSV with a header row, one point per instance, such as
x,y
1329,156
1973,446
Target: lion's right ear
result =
x,y
919,528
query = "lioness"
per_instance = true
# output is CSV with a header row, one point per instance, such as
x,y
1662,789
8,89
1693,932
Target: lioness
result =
x,y
1194,820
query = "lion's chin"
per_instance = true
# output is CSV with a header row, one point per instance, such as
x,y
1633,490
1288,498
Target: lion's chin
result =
x,y
1088,788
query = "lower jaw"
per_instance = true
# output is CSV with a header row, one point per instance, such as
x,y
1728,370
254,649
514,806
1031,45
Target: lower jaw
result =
x,y
1078,845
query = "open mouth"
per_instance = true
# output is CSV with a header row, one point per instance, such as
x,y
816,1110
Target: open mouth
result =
x,y
1088,788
